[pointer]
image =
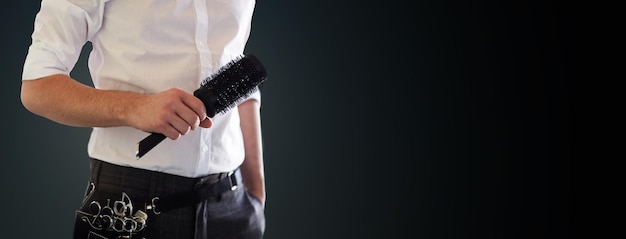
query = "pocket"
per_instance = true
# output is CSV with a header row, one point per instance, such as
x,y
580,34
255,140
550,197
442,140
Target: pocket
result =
x,y
256,204
106,215
256,216
254,199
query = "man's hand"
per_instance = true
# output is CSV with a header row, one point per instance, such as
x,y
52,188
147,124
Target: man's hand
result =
x,y
172,113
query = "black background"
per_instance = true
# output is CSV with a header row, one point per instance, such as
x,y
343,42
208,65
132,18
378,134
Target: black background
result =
x,y
430,119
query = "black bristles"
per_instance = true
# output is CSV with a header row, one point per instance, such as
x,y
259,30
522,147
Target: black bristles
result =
x,y
235,81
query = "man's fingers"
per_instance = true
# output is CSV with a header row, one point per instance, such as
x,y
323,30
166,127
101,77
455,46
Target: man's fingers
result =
x,y
189,114
177,113
206,123
181,125
171,133
195,105
188,117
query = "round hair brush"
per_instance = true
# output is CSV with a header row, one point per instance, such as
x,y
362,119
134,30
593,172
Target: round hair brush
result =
x,y
220,92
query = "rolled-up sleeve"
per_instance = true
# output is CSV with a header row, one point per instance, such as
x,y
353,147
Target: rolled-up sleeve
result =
x,y
61,28
255,96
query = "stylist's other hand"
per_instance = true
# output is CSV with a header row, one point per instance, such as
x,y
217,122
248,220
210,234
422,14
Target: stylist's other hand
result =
x,y
172,113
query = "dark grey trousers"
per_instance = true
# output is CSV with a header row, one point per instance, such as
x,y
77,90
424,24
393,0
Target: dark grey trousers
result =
x,y
115,194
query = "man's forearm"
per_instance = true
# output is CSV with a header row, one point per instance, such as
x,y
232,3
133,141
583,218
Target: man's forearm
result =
x,y
252,167
60,98
66,101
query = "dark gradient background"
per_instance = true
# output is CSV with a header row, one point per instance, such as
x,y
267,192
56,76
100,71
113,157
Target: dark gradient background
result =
x,y
435,119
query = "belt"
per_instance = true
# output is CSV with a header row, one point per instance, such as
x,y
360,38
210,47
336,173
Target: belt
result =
x,y
203,190
193,190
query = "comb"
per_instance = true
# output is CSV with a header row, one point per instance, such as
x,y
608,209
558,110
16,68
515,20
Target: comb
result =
x,y
220,92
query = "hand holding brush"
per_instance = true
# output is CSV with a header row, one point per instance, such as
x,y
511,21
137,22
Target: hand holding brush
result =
x,y
220,92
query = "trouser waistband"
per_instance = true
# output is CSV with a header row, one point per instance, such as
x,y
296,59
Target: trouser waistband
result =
x,y
162,191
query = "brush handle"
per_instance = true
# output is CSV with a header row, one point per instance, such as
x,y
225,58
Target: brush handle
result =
x,y
205,95
149,143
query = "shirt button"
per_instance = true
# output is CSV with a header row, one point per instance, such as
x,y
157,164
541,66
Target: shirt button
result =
x,y
205,148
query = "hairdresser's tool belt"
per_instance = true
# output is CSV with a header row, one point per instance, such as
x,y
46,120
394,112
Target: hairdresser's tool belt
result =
x,y
108,214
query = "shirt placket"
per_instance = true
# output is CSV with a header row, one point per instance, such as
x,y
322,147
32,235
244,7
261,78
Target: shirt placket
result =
x,y
202,26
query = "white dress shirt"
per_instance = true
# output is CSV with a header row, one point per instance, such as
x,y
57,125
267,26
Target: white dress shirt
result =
x,y
149,46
